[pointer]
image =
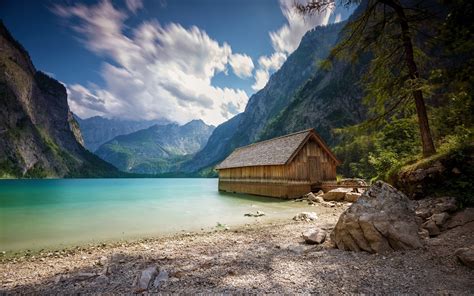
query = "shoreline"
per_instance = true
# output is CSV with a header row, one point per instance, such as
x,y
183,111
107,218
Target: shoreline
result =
x,y
260,258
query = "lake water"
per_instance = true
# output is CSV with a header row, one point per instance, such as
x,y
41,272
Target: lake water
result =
x,y
38,214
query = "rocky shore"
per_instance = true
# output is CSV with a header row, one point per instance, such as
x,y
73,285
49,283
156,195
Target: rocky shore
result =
x,y
257,258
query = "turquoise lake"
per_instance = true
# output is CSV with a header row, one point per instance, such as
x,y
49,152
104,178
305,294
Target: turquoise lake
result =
x,y
54,213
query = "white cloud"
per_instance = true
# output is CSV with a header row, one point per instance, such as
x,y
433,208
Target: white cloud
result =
x,y
157,72
242,65
286,39
134,5
267,65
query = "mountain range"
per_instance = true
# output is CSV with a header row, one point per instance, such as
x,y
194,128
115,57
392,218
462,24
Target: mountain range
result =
x,y
97,130
157,149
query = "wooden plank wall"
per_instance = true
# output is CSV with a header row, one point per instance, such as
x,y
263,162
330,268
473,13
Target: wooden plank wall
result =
x,y
282,190
297,170
291,180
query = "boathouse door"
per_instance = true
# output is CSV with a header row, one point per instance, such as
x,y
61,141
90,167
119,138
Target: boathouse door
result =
x,y
314,167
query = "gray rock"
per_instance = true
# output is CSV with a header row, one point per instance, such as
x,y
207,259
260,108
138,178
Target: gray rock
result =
x,y
431,227
305,216
257,214
440,218
315,198
382,220
337,194
460,218
314,236
145,278
466,256
161,278
435,205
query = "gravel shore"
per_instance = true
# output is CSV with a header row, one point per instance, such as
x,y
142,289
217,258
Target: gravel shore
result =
x,y
257,258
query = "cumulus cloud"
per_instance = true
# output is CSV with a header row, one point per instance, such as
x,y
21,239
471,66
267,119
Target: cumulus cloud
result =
x,y
242,65
134,5
267,65
155,71
287,38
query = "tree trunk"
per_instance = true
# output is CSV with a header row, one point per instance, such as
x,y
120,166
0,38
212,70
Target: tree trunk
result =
x,y
426,138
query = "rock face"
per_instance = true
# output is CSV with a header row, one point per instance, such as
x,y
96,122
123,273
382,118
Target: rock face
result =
x,y
382,220
337,194
451,173
39,137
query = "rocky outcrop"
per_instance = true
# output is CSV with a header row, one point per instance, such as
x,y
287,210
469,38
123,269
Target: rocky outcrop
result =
x,y
450,174
438,214
38,136
382,220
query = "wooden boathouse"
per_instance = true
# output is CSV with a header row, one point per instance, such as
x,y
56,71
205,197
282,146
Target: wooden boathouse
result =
x,y
284,167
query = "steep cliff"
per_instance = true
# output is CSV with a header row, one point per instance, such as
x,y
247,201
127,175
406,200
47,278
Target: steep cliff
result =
x,y
39,137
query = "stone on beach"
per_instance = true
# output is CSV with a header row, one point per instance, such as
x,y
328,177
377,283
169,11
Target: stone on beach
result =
x,y
466,256
337,194
305,216
314,236
352,196
382,220
145,278
257,214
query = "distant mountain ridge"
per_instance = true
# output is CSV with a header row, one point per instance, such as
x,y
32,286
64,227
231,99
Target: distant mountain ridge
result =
x,y
39,137
98,130
157,149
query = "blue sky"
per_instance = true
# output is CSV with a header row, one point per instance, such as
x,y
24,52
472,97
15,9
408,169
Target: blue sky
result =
x,y
180,60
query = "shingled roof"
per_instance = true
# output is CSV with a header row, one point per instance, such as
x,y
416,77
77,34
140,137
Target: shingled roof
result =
x,y
276,151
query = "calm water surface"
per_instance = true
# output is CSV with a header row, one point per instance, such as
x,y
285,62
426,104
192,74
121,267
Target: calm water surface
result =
x,y
53,213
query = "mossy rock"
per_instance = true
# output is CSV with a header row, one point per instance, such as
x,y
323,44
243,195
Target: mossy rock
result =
x,y
445,174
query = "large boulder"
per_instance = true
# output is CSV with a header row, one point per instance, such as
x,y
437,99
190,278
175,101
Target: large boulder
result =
x,y
382,220
337,194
